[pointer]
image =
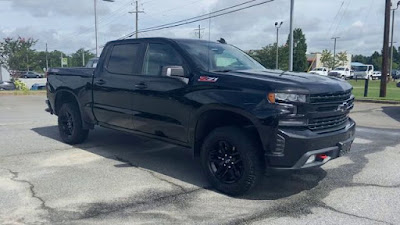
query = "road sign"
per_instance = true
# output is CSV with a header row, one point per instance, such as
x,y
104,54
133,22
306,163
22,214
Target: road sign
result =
x,y
65,61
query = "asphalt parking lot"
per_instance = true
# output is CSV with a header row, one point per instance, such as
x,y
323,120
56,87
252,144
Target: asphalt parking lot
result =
x,y
117,178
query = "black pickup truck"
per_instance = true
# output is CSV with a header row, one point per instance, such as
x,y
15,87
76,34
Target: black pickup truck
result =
x,y
239,118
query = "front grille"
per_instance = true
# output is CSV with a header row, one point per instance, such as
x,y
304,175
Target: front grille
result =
x,y
327,98
326,123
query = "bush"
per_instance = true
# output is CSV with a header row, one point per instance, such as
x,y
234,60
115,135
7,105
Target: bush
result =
x,y
19,85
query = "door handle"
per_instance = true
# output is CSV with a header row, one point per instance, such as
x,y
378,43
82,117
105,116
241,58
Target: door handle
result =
x,y
141,86
100,82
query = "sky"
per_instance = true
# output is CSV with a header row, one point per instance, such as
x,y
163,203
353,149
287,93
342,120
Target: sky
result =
x,y
69,25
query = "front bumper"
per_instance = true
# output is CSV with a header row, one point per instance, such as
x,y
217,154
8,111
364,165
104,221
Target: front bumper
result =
x,y
299,145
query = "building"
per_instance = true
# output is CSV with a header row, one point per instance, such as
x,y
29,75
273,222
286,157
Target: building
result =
x,y
314,61
4,74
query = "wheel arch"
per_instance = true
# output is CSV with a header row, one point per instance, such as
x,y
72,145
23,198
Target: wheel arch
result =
x,y
66,95
213,117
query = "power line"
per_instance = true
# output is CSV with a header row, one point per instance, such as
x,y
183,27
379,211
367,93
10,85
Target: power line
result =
x,y
193,19
336,16
224,9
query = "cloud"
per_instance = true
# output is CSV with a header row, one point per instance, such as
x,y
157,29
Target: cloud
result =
x,y
44,8
69,25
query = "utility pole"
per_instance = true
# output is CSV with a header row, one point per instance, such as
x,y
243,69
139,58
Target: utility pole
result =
x,y
277,25
392,43
47,59
199,31
95,24
385,50
334,51
137,18
83,57
95,27
62,60
291,36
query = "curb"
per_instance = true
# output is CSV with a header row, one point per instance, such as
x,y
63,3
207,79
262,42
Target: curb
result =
x,y
391,102
19,93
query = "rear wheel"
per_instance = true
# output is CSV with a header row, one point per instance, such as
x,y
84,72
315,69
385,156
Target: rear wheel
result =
x,y
231,160
70,124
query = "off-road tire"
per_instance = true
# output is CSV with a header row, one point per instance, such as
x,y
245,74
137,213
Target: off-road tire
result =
x,y
74,134
250,155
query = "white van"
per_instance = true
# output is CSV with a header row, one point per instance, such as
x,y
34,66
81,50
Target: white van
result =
x,y
363,71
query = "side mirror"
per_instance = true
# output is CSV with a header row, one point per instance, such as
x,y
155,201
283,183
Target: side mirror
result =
x,y
173,71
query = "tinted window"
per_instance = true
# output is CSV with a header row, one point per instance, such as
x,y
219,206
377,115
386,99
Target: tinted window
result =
x,y
159,55
123,58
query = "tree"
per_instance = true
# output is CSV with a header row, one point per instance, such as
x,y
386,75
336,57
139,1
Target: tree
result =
x,y
360,59
77,57
299,51
342,58
17,54
329,61
267,55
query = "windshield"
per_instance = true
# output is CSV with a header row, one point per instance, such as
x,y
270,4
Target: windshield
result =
x,y
219,57
361,68
340,68
319,69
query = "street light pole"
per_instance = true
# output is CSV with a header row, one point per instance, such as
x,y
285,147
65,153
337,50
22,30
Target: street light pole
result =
x,y
277,25
95,24
95,27
334,51
391,47
291,36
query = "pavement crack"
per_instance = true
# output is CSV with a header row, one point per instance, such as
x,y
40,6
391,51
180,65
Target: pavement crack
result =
x,y
105,209
353,215
152,173
372,185
15,177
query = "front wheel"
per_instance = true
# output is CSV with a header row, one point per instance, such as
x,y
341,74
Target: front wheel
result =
x,y
70,124
231,160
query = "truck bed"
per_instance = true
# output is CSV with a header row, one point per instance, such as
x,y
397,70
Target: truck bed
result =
x,y
76,71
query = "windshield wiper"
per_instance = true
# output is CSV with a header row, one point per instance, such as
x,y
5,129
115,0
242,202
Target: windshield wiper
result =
x,y
222,71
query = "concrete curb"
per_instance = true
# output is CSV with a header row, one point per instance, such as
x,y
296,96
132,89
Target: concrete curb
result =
x,y
391,102
21,93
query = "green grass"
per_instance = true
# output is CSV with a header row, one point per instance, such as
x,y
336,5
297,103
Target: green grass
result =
x,y
18,92
392,92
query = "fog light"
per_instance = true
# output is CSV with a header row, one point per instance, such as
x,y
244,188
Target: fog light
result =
x,y
311,159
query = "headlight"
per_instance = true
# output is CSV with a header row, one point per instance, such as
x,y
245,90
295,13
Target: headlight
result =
x,y
285,97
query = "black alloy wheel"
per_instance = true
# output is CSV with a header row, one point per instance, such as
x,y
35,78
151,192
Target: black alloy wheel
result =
x,y
225,162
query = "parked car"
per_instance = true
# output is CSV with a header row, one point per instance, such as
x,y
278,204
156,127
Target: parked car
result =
x,y
92,63
37,86
320,71
341,72
376,75
239,118
396,74
31,74
6,85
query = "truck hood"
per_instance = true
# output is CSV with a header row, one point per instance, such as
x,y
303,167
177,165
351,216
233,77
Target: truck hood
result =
x,y
337,71
301,83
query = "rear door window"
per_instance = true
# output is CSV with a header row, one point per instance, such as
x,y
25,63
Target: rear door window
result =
x,y
123,59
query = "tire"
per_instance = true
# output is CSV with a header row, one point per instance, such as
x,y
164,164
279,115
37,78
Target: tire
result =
x,y
37,76
25,77
243,167
70,124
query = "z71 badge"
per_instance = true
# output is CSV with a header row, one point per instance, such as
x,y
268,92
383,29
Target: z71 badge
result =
x,y
208,79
